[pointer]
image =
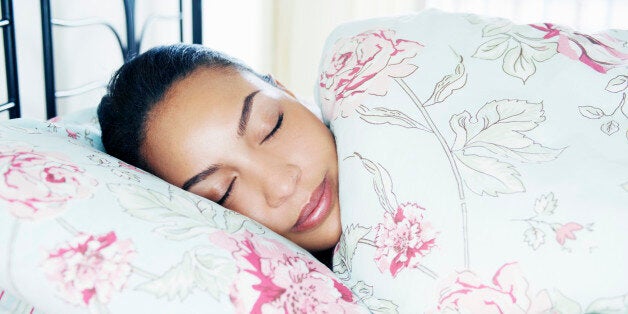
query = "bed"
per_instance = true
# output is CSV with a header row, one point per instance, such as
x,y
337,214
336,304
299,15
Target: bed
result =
x,y
483,169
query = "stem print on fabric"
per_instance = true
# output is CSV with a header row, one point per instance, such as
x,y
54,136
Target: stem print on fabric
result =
x,y
521,47
363,64
539,225
199,269
517,45
38,184
272,278
485,143
119,168
365,295
496,134
619,85
182,216
179,216
401,240
85,137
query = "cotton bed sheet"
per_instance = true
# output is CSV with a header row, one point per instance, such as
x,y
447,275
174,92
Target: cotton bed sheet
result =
x,y
483,164
482,169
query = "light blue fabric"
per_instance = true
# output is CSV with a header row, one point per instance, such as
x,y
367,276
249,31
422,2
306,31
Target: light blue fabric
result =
x,y
483,164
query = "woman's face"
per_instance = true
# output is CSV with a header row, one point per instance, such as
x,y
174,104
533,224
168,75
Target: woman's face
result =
x,y
231,137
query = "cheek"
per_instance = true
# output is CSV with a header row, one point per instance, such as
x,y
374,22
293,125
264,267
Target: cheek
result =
x,y
307,152
322,147
249,201
312,140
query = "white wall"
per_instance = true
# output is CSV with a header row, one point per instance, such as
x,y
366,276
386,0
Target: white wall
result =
x,y
82,55
584,15
240,28
301,27
250,30
29,58
281,37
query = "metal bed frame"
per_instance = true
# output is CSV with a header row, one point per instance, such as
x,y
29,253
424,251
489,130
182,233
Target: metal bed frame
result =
x,y
129,48
10,61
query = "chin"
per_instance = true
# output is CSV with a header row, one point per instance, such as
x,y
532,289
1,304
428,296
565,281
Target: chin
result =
x,y
329,236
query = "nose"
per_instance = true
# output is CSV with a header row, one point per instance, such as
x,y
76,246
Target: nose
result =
x,y
280,184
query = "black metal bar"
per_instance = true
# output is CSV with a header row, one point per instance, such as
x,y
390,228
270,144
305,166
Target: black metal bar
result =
x,y
181,20
197,21
10,59
128,51
49,67
132,45
91,22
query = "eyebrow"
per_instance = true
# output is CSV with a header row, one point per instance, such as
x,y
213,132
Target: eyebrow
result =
x,y
246,113
200,176
244,121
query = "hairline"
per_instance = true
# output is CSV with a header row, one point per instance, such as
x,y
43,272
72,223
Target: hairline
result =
x,y
170,92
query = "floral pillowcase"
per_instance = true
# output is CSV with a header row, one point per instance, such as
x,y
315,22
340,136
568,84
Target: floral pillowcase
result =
x,y
483,164
81,231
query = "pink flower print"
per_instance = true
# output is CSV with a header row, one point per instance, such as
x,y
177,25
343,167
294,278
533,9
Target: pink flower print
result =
x,y
38,185
363,64
403,239
274,279
599,51
123,164
72,134
566,231
507,292
90,267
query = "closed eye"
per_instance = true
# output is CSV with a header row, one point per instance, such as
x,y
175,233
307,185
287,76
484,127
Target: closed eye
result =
x,y
275,129
224,198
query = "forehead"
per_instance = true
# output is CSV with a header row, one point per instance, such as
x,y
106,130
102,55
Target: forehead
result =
x,y
204,93
206,85
202,108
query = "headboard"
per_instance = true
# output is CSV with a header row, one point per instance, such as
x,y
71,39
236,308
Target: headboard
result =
x,y
7,23
129,47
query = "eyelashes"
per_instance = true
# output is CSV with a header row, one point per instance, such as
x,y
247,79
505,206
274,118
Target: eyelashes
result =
x,y
275,129
225,197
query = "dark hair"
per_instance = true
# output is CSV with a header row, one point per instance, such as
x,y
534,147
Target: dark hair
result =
x,y
141,83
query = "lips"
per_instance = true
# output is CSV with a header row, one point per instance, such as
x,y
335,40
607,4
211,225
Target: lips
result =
x,y
316,210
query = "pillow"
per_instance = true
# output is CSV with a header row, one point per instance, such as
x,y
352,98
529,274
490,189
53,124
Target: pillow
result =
x,y
11,304
85,120
483,164
82,231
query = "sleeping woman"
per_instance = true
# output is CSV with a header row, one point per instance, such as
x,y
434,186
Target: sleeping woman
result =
x,y
211,125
